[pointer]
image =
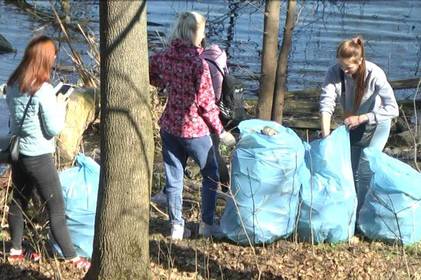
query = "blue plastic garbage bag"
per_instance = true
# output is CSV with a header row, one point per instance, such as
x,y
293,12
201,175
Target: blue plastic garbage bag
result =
x,y
328,199
264,183
392,208
80,190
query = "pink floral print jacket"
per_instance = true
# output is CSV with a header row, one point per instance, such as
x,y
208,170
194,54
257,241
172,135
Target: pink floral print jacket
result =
x,y
190,110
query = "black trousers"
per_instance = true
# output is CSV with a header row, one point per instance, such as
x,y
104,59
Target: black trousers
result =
x,y
38,172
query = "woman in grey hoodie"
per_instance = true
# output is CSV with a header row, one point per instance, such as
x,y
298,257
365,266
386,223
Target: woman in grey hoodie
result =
x,y
367,100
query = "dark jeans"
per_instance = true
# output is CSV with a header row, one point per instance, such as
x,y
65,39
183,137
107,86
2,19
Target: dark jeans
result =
x,y
175,151
38,172
224,175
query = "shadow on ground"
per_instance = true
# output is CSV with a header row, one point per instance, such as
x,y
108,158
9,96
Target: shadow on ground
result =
x,y
8,271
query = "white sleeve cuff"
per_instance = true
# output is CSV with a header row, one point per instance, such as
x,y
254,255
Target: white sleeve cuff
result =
x,y
371,118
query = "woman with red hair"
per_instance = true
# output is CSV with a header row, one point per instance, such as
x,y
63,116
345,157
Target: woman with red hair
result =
x,y
37,116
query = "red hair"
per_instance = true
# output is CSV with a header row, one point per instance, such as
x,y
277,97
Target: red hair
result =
x,y
36,65
353,49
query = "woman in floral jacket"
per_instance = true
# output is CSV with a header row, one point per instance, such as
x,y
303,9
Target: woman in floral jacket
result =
x,y
188,119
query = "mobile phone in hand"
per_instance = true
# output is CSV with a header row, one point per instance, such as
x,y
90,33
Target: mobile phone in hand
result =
x,y
64,89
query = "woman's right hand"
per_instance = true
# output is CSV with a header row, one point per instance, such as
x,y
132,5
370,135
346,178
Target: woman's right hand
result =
x,y
227,139
325,124
325,134
62,99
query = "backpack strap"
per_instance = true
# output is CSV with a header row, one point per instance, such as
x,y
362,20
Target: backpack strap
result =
x,y
24,115
342,75
216,65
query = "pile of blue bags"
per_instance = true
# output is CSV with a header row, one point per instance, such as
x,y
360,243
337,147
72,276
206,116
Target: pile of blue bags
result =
x,y
80,191
281,185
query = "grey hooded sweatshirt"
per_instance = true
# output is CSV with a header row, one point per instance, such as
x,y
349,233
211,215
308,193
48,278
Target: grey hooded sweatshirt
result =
x,y
378,102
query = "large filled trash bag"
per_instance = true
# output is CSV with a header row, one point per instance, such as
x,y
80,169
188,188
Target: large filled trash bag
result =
x,y
264,183
392,208
80,190
328,199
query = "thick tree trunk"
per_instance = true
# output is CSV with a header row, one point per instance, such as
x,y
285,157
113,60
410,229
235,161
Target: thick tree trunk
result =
x,y
269,55
121,243
281,71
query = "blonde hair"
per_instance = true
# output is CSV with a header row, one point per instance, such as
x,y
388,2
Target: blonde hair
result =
x,y
187,25
353,49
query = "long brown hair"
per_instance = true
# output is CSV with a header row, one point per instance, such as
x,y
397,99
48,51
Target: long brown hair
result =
x,y
36,65
353,49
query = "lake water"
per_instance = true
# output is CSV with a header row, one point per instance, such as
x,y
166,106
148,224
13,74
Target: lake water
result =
x,y
392,30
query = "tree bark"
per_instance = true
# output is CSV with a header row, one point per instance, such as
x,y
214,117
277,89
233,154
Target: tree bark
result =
x,y
121,243
281,71
269,55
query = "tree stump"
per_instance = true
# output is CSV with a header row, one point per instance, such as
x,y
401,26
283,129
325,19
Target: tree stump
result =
x,y
81,111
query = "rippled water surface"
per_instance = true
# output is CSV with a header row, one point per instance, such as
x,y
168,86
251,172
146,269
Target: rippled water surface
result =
x,y
392,30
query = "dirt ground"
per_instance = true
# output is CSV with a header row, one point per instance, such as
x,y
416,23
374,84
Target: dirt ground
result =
x,y
198,258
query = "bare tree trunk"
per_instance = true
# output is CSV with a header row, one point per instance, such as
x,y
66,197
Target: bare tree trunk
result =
x,y
233,7
65,5
281,71
121,243
269,54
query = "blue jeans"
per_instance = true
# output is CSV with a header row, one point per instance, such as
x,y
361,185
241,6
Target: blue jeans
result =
x,y
175,151
360,166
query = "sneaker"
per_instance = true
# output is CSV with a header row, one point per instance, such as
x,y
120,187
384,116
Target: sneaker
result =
x,y
178,232
20,255
207,231
223,196
160,198
81,263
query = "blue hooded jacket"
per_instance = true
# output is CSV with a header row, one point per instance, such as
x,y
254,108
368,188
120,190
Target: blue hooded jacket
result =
x,y
44,119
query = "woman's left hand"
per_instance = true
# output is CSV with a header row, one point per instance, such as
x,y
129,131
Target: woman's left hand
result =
x,y
353,121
